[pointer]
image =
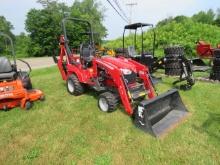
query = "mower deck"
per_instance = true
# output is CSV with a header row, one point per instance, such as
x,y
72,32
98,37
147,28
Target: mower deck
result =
x,y
13,94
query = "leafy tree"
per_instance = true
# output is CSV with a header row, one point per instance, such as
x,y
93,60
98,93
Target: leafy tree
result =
x,y
180,18
168,20
205,17
165,21
90,10
44,28
217,20
184,33
44,25
5,27
21,46
181,30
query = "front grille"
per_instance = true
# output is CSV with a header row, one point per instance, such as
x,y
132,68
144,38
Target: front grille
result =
x,y
130,78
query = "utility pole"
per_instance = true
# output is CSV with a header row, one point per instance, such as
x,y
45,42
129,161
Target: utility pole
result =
x,y
131,5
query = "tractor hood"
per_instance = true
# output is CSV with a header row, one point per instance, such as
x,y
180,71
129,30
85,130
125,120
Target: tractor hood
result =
x,y
121,63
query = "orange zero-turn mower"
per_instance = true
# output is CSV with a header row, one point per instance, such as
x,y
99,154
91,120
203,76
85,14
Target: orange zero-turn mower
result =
x,y
15,86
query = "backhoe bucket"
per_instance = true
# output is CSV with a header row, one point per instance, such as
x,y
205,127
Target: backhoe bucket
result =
x,y
159,115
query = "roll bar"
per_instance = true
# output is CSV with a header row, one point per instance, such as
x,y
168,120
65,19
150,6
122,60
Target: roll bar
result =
x,y
135,26
78,20
12,46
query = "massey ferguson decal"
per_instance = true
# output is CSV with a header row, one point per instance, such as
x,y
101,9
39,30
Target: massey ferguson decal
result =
x,y
6,95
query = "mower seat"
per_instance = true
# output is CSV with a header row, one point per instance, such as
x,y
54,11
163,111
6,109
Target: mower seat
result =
x,y
6,70
87,52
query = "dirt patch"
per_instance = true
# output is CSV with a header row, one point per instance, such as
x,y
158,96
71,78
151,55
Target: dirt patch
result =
x,y
36,63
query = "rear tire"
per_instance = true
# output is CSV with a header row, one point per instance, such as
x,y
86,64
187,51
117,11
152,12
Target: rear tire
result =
x,y
172,56
107,102
74,87
174,51
216,53
173,62
173,72
216,61
174,65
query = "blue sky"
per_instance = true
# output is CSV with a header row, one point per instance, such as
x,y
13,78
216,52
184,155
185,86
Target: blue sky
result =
x,y
150,11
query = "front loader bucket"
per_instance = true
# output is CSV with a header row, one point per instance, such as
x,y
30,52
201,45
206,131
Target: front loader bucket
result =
x,y
159,115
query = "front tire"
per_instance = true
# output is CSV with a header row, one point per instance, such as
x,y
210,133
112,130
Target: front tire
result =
x,y
74,87
28,105
107,102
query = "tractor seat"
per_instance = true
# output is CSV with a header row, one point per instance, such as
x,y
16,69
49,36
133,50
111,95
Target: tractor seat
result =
x,y
132,52
6,71
87,52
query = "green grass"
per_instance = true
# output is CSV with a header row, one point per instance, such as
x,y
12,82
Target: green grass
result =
x,y
71,130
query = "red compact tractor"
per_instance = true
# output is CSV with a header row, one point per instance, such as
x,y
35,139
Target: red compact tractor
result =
x,y
15,86
118,80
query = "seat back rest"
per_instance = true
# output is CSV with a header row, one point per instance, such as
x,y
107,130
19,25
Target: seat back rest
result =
x,y
5,65
87,52
131,51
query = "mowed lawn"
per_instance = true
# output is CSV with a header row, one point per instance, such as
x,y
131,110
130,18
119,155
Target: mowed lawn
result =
x,y
72,130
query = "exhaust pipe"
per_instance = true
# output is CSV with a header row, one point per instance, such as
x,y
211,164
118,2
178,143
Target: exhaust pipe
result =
x,y
159,115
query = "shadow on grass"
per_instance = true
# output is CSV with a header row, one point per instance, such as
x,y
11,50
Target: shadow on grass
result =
x,y
211,126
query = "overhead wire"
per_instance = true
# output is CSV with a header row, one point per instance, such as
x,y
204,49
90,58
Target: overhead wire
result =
x,y
117,11
120,8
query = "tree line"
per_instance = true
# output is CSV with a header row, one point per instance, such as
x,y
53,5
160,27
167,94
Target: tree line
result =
x,y
44,26
179,30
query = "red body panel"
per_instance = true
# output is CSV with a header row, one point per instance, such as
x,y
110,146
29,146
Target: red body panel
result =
x,y
120,63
